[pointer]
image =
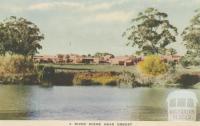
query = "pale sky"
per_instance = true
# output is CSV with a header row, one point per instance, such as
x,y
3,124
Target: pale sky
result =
x,y
89,26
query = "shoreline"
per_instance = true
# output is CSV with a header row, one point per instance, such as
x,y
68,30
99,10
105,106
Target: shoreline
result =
x,y
48,75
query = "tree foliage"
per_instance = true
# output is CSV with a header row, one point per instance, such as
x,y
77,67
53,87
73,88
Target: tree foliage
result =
x,y
152,66
186,61
171,51
19,36
100,54
191,36
151,32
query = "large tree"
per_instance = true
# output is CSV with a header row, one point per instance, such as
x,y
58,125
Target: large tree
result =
x,y
151,32
19,36
191,36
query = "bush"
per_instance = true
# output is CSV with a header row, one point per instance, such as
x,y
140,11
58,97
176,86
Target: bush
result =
x,y
127,79
152,66
20,79
16,69
196,62
172,66
15,64
86,82
95,78
106,80
29,79
45,74
185,61
14,79
190,60
144,81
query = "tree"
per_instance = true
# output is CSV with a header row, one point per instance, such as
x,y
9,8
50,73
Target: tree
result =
x,y
2,39
171,51
191,36
19,36
151,32
99,54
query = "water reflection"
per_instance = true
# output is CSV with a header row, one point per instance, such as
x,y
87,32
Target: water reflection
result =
x,y
14,102
83,103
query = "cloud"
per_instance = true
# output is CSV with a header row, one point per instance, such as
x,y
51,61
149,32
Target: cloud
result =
x,y
76,5
181,3
40,6
98,6
64,5
50,5
115,16
11,8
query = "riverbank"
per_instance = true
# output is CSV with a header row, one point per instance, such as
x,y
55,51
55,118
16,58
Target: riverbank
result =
x,y
114,75
100,75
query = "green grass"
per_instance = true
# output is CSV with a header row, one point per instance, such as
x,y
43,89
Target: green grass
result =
x,y
189,70
110,68
93,67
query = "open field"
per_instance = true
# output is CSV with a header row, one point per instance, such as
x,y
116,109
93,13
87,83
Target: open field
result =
x,y
113,68
92,67
109,68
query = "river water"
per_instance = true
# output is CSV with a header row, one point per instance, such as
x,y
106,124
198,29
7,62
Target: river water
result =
x,y
84,103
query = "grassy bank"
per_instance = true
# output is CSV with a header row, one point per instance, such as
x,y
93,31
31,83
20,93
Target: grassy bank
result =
x,y
105,75
92,68
119,75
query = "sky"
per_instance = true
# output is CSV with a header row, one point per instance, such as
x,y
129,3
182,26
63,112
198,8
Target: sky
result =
x,y
90,26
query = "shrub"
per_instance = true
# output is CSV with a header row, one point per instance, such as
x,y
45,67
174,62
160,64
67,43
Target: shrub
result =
x,y
144,81
48,73
14,79
185,61
95,78
106,80
45,73
16,69
15,64
29,79
196,62
152,66
87,82
188,60
172,66
128,79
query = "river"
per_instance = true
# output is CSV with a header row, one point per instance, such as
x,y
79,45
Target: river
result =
x,y
84,103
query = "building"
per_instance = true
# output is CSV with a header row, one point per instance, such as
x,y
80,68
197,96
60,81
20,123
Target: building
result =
x,y
87,60
45,59
99,60
168,58
122,60
75,58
